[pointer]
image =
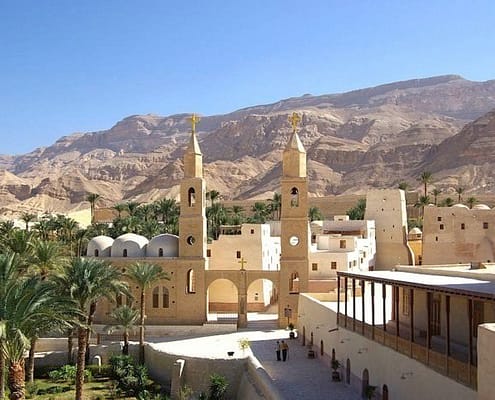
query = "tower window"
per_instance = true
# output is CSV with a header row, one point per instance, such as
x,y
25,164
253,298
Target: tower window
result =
x,y
294,283
439,219
463,226
294,197
191,281
238,254
342,244
314,266
441,227
191,197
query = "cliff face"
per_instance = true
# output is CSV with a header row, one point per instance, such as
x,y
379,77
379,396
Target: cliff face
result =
x,y
374,137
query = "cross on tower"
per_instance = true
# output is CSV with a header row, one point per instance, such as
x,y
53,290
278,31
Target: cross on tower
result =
x,y
294,119
242,262
194,120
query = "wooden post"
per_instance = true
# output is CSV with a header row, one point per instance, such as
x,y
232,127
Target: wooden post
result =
x,y
384,307
372,310
396,305
428,327
362,306
447,339
338,298
345,300
470,341
411,319
353,304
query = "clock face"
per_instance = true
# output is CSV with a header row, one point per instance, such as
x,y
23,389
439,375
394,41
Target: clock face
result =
x,y
293,240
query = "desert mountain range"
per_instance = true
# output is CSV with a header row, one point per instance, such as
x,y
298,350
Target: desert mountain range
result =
x,y
369,138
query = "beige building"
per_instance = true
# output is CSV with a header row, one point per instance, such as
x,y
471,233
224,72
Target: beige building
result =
x,y
458,234
249,246
388,209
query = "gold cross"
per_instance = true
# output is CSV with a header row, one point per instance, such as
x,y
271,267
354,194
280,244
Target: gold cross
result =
x,y
194,120
294,119
242,262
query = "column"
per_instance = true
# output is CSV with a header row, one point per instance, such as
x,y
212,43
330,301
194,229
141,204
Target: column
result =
x,y
362,306
345,300
428,326
447,333
396,306
242,315
373,310
338,298
470,351
353,304
384,307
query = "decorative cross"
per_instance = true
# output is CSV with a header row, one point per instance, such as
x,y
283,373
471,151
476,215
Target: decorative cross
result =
x,y
242,262
294,119
194,120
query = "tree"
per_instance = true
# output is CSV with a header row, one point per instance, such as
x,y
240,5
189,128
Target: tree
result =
x,y
435,192
276,205
426,178
404,186
314,214
236,215
216,215
46,256
27,218
212,195
357,212
169,211
87,281
471,201
422,203
144,275
447,202
132,207
125,318
260,212
120,207
92,198
459,190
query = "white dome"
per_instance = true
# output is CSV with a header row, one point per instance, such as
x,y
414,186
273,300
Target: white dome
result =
x,y
458,205
481,207
415,231
100,246
129,245
165,245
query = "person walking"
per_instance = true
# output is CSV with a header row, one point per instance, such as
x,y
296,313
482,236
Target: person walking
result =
x,y
285,350
277,350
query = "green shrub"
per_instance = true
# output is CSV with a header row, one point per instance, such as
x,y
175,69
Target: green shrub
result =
x,y
218,387
131,379
67,373
32,389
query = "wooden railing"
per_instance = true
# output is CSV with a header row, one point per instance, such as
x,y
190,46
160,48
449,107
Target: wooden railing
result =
x,y
455,369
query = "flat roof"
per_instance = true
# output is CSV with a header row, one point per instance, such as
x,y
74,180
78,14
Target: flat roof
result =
x,y
484,289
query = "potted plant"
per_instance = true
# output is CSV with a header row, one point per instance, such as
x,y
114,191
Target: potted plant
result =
x,y
369,392
335,373
292,334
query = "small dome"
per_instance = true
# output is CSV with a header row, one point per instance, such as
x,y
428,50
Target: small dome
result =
x,y
415,231
461,206
481,207
129,245
100,246
165,245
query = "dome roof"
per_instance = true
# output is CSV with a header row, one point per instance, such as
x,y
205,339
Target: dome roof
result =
x,y
100,246
481,207
129,245
415,231
169,245
458,205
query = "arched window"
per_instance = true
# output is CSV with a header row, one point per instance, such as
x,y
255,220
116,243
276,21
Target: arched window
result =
x,y
294,197
97,252
165,298
191,197
124,253
160,252
191,281
294,283
155,297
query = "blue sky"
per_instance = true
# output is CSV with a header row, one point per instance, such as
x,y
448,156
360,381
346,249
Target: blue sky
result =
x,y
72,66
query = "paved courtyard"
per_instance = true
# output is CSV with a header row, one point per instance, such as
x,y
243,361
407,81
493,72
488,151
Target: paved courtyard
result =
x,y
299,378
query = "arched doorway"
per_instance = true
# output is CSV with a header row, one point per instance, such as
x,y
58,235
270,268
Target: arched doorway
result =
x,y
385,392
262,304
222,301
365,382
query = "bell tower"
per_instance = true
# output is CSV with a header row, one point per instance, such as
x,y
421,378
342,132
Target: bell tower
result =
x,y
295,233
192,220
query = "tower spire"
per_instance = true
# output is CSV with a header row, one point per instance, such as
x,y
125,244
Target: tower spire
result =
x,y
193,159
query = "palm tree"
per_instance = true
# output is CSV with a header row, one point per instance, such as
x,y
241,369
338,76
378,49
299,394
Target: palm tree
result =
x,y
212,195
132,207
216,215
276,205
435,192
144,275
46,257
236,214
92,198
425,178
260,211
459,190
314,214
169,211
119,208
447,202
422,203
27,218
29,307
87,281
404,186
471,201
125,318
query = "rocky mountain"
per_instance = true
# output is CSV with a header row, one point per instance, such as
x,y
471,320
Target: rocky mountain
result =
x,y
374,137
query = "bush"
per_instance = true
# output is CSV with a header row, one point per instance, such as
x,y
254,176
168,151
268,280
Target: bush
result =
x,y
67,373
218,387
32,389
131,379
